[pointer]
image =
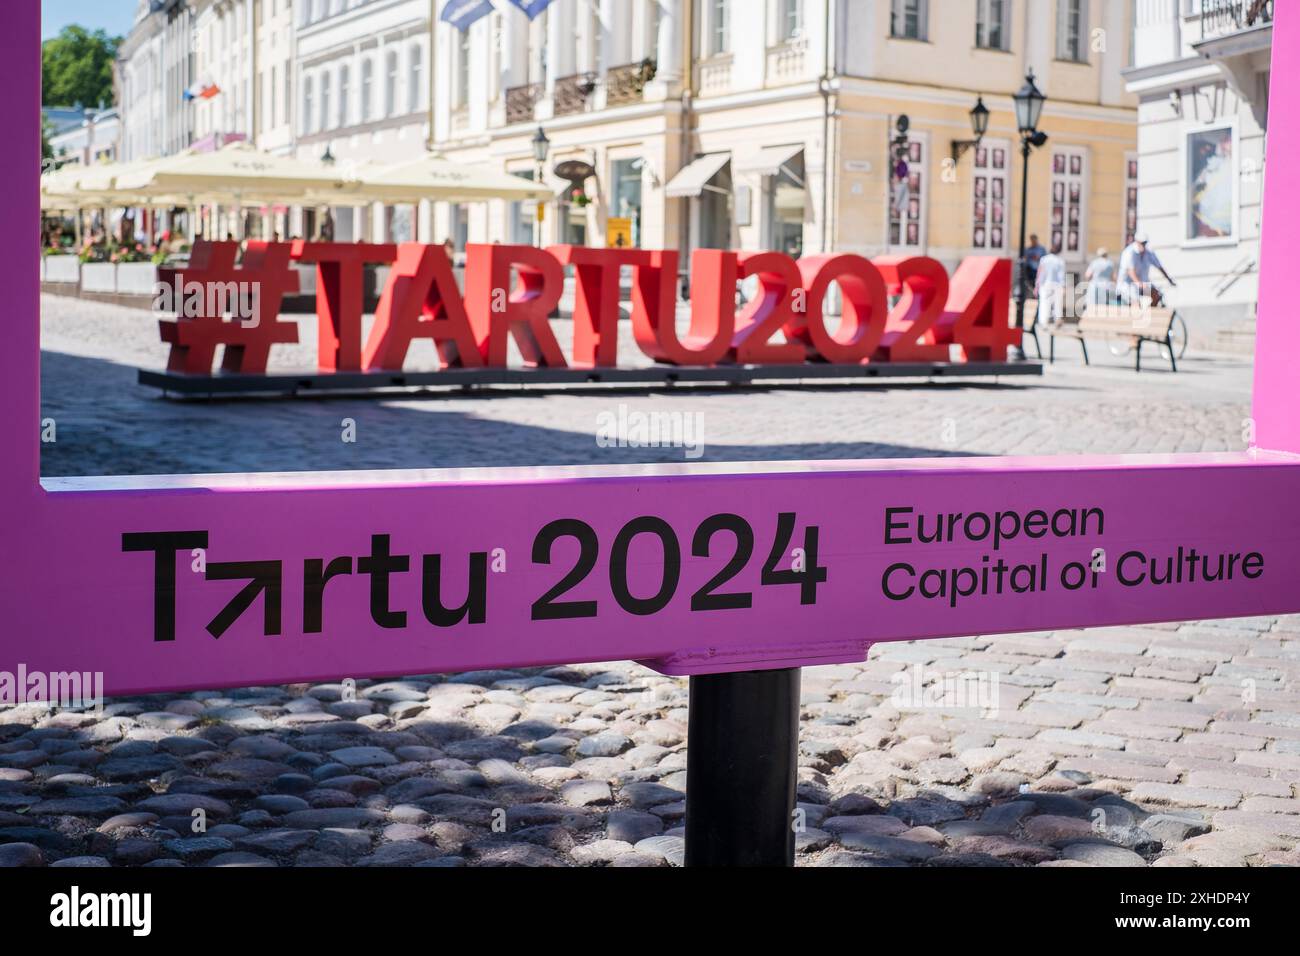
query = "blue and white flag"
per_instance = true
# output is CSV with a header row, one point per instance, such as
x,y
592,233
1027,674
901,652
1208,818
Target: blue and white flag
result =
x,y
462,14
531,7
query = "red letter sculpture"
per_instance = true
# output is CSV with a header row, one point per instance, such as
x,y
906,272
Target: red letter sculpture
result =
x,y
340,271
771,309
496,313
211,288
421,301
865,305
713,307
596,274
979,309
909,332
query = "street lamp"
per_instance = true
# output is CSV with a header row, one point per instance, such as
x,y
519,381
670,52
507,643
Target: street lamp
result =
x,y
979,124
1028,101
327,157
541,149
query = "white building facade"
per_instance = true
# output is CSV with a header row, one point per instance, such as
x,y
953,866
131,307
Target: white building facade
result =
x,y
155,68
1201,72
361,76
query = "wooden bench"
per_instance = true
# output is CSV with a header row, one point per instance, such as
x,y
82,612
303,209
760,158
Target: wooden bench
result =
x,y
1147,324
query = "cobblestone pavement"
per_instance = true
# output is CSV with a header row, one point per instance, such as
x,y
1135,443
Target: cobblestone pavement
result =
x,y
1168,745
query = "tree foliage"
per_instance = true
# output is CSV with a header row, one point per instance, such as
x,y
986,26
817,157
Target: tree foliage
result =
x,y
77,67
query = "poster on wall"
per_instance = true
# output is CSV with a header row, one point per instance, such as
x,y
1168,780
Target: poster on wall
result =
x,y
1209,184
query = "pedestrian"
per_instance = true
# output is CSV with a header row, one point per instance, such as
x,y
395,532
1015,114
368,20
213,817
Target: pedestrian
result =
x,y
1034,253
1049,286
1101,278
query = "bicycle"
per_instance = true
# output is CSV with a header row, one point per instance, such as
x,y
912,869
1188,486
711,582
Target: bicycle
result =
x,y
1123,345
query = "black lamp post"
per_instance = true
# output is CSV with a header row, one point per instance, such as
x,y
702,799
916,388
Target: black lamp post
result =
x,y
1029,101
979,124
541,149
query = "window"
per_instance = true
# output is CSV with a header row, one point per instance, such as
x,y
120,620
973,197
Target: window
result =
x,y
625,203
993,24
522,214
1072,30
325,117
345,95
275,86
414,77
462,69
991,186
458,225
1130,197
367,83
1069,225
307,104
786,199
909,19
390,84
907,198
719,27
789,25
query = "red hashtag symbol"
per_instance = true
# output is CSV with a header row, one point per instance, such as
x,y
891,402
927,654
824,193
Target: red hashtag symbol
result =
x,y
210,289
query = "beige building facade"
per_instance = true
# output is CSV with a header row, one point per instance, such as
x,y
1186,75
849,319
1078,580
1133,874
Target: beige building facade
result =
x,y
758,124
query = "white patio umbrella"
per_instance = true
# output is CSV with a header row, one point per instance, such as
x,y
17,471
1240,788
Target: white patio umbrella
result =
x,y
434,178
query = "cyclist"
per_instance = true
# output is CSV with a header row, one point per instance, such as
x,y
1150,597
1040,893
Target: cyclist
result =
x,y
1135,272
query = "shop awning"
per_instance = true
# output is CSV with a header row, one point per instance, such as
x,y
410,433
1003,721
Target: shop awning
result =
x,y
692,179
770,159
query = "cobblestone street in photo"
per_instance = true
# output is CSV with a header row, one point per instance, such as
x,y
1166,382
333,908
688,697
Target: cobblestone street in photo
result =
x,y
1162,745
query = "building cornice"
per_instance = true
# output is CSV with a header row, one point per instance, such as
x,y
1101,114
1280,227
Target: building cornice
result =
x,y
907,92
1170,75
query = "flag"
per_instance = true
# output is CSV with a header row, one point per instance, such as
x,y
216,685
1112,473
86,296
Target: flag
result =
x,y
204,89
462,14
531,7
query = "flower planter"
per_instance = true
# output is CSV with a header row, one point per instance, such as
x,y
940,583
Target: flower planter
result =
x,y
136,278
61,269
98,277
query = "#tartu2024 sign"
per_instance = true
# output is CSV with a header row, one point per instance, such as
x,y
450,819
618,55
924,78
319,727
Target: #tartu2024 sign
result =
x,y
510,292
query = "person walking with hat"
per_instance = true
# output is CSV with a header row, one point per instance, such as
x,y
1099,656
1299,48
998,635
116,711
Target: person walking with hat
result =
x,y
1100,276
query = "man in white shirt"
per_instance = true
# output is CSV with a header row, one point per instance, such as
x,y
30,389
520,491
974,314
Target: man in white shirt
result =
x,y
1135,271
1049,286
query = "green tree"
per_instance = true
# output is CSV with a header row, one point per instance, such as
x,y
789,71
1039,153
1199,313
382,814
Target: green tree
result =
x,y
77,67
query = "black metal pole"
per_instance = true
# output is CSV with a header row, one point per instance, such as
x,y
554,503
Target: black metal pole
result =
x,y
741,767
1023,279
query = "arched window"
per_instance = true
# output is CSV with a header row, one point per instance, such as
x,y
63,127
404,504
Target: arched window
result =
x,y
415,75
367,84
325,117
390,83
345,93
462,69
307,102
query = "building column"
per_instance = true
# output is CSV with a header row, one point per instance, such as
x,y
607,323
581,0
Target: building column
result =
x,y
667,53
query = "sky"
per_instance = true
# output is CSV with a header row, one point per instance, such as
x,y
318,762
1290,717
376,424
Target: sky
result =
x,y
113,16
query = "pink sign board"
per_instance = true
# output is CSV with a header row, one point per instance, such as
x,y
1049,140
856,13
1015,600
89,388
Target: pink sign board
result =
x,y
181,582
